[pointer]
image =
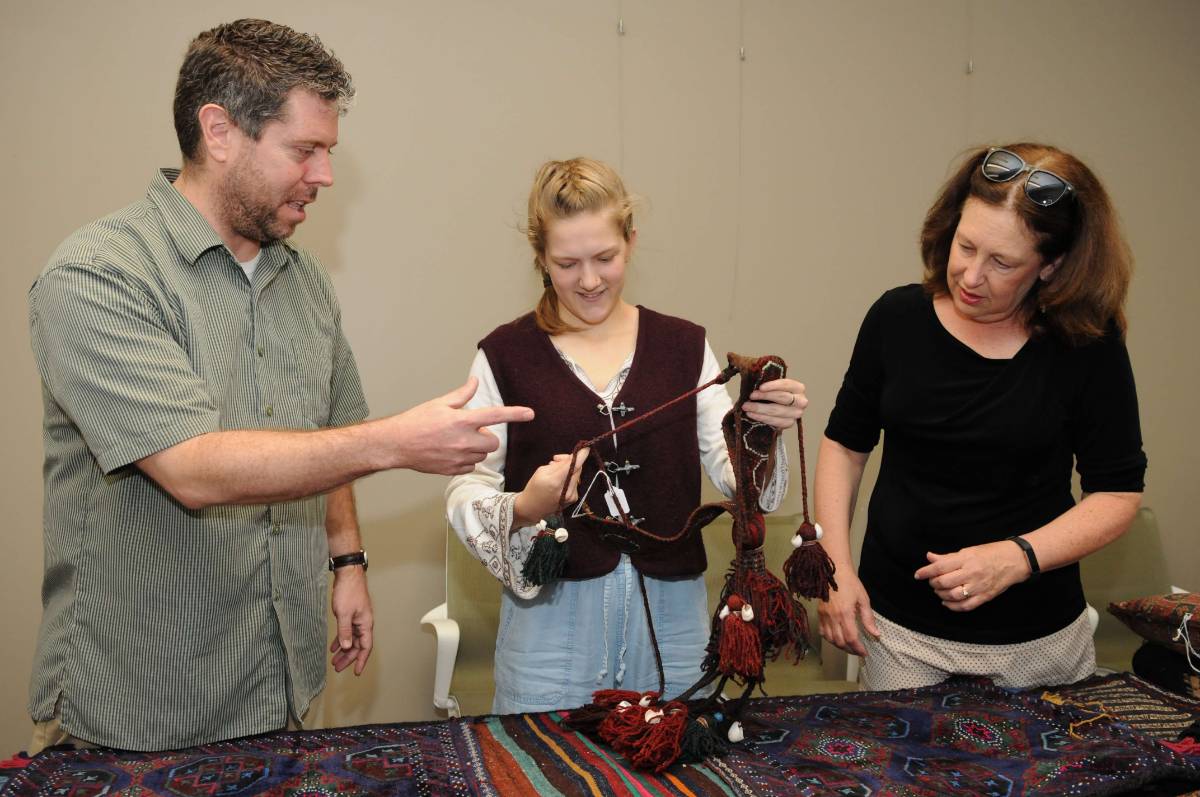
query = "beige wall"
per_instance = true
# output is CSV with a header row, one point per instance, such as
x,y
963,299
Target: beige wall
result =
x,y
784,192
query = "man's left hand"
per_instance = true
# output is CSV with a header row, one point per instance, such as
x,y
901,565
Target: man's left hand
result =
x,y
355,620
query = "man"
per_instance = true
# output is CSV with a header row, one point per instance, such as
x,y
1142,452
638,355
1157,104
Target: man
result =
x,y
203,425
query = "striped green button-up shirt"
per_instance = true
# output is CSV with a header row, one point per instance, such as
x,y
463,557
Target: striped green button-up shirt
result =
x,y
165,627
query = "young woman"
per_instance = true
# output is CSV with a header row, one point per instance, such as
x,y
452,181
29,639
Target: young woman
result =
x,y
586,360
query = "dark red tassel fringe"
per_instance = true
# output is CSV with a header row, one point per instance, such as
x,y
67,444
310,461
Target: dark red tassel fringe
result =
x,y
740,648
809,570
782,621
588,718
660,745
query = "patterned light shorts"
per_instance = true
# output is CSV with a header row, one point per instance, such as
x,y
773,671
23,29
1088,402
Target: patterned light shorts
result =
x,y
904,659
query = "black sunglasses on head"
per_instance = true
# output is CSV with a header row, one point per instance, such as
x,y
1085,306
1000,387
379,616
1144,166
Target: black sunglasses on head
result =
x,y
1043,187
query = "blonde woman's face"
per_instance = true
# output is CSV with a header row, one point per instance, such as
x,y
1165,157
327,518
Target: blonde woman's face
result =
x,y
586,257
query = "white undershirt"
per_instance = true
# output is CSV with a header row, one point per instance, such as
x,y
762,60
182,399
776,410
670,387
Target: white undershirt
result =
x,y
250,265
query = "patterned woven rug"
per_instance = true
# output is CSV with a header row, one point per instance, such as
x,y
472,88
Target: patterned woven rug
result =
x,y
961,737
964,736
1141,705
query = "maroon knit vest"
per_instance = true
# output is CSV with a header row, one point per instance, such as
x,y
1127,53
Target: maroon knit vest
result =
x,y
664,487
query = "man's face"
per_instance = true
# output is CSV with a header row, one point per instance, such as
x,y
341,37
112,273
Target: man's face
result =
x,y
269,182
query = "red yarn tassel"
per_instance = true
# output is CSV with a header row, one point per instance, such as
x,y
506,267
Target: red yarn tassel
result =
x,y
740,649
660,746
588,718
809,570
782,622
625,725
610,698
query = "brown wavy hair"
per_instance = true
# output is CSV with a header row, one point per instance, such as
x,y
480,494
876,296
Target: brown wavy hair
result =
x,y
1085,296
560,190
248,67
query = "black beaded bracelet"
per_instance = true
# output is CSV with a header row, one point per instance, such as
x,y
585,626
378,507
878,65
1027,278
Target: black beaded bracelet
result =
x,y
1024,545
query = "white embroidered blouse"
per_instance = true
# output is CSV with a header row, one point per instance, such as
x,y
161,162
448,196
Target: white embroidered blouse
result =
x,y
482,513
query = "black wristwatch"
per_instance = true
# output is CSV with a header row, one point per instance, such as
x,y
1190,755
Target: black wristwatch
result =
x,y
347,559
1024,545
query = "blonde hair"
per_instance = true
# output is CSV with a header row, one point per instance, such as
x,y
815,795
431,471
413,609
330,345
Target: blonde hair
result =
x,y
560,190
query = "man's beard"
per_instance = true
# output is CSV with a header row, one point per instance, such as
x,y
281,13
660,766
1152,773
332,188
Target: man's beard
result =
x,y
248,207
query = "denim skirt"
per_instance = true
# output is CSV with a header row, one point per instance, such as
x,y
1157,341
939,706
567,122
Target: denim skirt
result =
x,y
554,651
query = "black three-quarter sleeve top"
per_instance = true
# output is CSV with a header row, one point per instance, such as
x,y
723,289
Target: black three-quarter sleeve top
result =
x,y
976,450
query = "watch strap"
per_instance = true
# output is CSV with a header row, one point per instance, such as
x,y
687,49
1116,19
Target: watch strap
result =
x,y
1024,545
347,559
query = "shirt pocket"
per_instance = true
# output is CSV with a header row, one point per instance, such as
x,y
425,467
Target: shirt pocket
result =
x,y
312,374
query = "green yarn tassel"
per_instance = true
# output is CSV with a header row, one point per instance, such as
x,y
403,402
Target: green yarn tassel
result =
x,y
546,561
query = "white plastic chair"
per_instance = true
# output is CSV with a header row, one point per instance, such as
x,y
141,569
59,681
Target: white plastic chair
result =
x,y
447,633
464,627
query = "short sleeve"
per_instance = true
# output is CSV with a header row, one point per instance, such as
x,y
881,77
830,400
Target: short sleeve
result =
x,y
1106,431
855,419
109,361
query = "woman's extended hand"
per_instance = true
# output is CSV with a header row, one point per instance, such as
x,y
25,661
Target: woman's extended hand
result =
x,y
540,496
777,403
840,616
969,578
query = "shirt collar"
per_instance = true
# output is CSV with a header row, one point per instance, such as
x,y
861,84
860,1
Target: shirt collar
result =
x,y
192,233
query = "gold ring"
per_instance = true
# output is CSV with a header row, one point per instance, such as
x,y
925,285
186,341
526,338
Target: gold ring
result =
x,y
793,401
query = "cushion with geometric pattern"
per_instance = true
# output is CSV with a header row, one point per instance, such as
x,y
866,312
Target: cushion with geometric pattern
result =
x,y
1160,618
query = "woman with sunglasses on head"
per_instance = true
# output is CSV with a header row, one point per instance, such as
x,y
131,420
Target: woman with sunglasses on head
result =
x,y
587,361
1004,368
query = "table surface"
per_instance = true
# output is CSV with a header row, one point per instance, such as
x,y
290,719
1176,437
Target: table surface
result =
x,y
1102,736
